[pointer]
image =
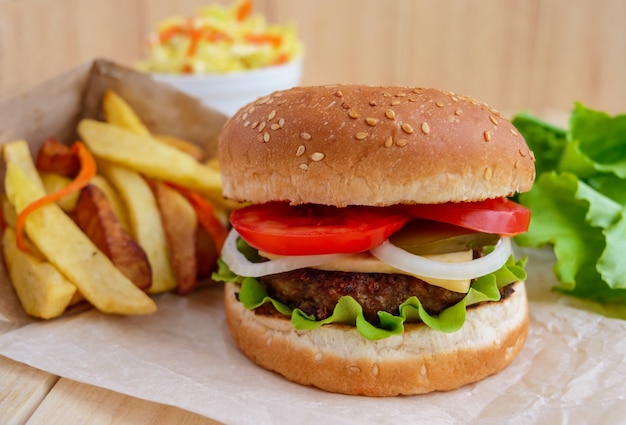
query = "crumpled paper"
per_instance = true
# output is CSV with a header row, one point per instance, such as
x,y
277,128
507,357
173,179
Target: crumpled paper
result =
x,y
572,369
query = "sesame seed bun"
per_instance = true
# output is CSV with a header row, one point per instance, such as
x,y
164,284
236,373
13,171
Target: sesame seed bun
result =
x,y
338,359
361,145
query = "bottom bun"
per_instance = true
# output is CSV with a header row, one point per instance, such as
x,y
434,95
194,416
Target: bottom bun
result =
x,y
338,359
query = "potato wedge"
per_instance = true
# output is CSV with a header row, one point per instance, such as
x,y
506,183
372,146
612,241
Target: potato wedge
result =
x,y
145,222
147,156
206,253
57,158
114,198
180,223
42,290
95,216
55,182
118,112
62,243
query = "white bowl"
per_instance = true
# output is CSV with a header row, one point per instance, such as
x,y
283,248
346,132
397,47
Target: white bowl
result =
x,y
227,93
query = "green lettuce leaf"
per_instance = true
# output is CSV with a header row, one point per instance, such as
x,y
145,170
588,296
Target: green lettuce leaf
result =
x,y
578,202
349,312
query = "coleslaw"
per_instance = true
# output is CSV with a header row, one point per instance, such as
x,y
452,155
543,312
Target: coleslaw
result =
x,y
220,40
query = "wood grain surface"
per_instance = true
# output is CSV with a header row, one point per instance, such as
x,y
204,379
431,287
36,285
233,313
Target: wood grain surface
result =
x,y
512,54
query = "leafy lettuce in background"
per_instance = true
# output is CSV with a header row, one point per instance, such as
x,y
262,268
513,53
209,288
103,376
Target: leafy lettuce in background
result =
x,y
578,201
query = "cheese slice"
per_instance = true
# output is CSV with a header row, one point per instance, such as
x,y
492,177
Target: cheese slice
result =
x,y
364,262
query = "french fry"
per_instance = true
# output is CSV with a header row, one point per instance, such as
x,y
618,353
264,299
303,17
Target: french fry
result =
x,y
114,198
18,153
147,156
118,112
65,246
145,221
9,215
95,216
42,290
189,148
54,182
180,223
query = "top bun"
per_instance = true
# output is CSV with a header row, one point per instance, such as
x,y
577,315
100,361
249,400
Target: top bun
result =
x,y
362,145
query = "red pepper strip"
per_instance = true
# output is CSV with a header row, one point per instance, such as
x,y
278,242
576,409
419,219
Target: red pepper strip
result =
x,y
275,39
244,9
86,173
206,215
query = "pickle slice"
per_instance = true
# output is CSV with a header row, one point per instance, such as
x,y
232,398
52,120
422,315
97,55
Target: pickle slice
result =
x,y
426,237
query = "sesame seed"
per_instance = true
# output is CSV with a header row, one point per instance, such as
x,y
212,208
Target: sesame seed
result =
x,y
375,370
487,135
373,103
281,122
395,103
317,156
271,115
318,357
244,116
488,173
304,167
458,112
339,93
355,369
305,136
247,123
406,127
389,142
266,137
439,104
371,121
389,113
345,105
353,114
401,94
425,128
493,120
255,124
416,91
514,133
454,98
300,150
275,126
522,153
401,142
262,126
532,155
360,136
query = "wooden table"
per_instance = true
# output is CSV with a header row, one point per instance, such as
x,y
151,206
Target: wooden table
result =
x,y
31,396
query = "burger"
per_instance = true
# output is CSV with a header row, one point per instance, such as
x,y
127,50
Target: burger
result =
x,y
372,251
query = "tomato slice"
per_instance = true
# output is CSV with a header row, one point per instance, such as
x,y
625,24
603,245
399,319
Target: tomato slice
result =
x,y
500,215
310,229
